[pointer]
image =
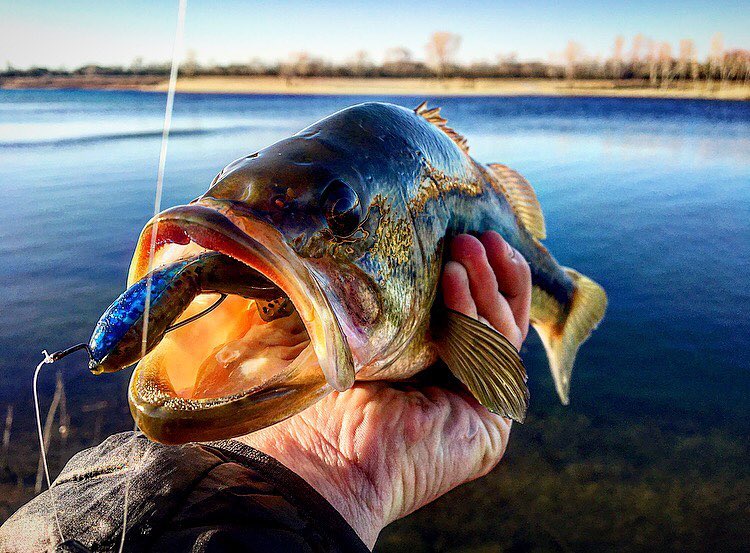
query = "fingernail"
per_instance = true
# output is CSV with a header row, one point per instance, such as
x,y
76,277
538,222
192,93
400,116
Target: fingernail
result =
x,y
511,250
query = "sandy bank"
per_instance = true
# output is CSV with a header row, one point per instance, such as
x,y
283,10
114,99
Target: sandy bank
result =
x,y
391,87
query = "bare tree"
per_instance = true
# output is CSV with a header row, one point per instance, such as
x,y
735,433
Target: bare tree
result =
x,y
299,65
665,63
256,66
442,49
360,63
716,57
572,56
636,54
652,59
651,62
136,66
399,62
506,64
398,54
189,65
695,70
617,56
746,58
686,59
737,63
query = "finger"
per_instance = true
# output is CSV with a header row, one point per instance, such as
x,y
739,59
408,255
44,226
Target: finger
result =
x,y
491,305
513,276
456,292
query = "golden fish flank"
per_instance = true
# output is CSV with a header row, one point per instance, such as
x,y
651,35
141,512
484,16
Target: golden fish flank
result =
x,y
435,184
394,238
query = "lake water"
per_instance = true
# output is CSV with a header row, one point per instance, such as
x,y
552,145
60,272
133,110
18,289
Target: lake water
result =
x,y
651,198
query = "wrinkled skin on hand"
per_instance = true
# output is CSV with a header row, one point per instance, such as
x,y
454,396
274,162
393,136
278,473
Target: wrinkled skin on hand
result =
x,y
381,450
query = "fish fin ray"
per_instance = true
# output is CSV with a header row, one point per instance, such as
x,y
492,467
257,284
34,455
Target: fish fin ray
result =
x,y
522,198
486,363
563,328
432,115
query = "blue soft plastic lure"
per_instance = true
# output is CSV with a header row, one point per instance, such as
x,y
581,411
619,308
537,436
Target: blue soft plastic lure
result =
x,y
118,336
117,340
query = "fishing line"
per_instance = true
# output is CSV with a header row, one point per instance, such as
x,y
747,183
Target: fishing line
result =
x,y
56,356
48,359
176,49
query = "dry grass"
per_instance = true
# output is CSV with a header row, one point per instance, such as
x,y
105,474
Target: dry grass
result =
x,y
393,87
451,87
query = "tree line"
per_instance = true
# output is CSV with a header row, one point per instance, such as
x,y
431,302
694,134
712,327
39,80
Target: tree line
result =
x,y
643,59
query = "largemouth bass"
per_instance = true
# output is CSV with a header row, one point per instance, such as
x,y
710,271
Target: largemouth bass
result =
x,y
329,245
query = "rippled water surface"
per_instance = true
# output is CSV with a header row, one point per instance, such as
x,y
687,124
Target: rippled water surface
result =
x,y
651,198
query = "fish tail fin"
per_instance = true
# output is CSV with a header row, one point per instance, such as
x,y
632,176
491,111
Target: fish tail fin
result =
x,y
563,328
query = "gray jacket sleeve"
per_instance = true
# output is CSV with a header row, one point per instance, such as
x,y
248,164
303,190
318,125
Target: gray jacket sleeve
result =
x,y
221,496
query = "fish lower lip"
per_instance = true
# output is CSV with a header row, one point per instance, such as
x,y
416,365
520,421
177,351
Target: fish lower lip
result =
x,y
168,418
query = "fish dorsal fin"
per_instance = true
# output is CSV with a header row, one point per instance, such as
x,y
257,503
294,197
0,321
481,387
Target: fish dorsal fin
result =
x,y
484,361
433,116
522,198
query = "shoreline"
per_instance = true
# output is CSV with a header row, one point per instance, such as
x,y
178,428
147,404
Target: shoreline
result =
x,y
429,87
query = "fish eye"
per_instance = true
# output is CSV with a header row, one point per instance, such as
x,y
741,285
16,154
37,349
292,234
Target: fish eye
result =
x,y
341,208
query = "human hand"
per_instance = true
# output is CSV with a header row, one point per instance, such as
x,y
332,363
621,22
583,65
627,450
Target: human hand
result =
x,y
382,450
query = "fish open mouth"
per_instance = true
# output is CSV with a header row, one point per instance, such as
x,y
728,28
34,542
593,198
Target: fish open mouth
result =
x,y
249,363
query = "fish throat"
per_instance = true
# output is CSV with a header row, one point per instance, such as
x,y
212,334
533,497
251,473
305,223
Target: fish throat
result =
x,y
255,335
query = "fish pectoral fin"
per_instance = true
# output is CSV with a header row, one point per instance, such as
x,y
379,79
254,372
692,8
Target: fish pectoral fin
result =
x,y
485,362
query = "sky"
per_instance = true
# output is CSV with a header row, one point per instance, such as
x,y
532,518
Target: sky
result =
x,y
68,34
